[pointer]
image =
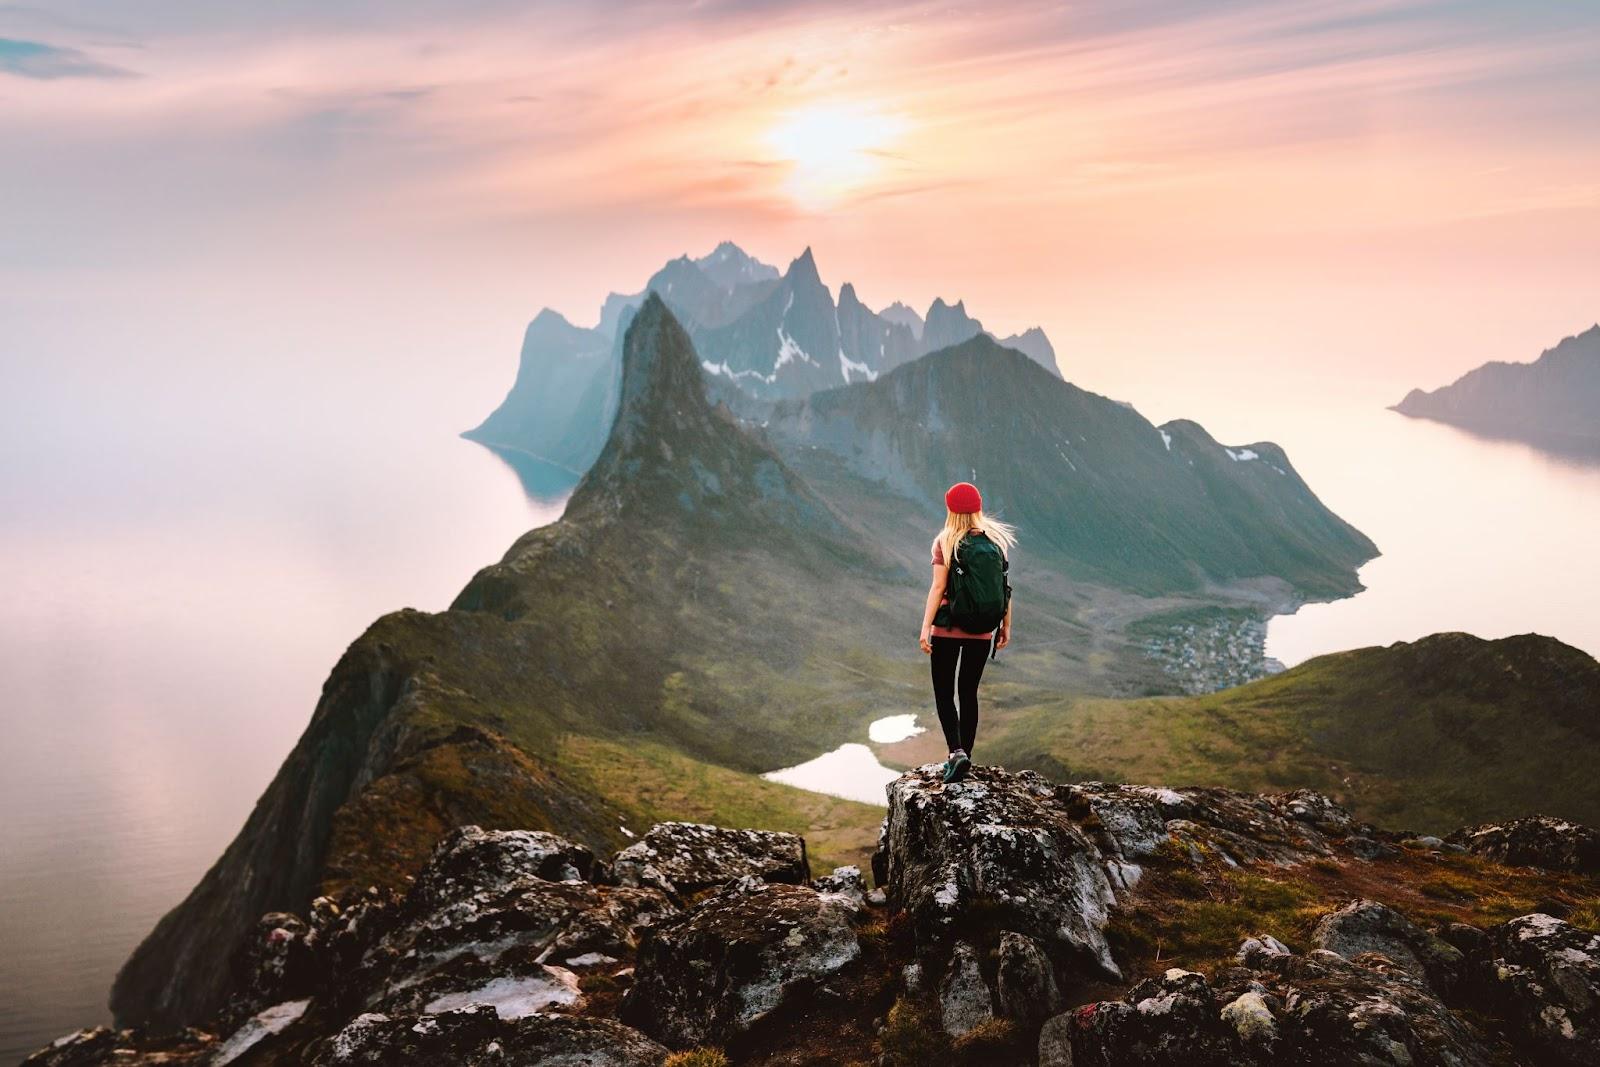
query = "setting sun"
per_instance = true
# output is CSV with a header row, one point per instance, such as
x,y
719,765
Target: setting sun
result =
x,y
834,149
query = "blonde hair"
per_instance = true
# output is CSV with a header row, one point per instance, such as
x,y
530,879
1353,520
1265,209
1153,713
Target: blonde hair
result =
x,y
957,524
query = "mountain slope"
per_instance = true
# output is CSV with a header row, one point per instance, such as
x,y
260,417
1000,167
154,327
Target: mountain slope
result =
x,y
1555,398
1084,477
671,610
1431,734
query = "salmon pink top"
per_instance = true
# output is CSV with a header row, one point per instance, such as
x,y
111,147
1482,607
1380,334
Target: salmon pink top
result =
x,y
951,631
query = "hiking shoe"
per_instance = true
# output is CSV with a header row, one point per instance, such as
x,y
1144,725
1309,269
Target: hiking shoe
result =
x,y
957,768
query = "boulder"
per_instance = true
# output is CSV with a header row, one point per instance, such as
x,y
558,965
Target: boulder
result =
x,y
470,859
482,922
1171,1021
1131,823
1254,1025
1025,982
714,971
1537,841
1544,980
1255,949
1367,926
1000,849
479,1037
964,1000
684,858
1364,1011
1312,1009
846,881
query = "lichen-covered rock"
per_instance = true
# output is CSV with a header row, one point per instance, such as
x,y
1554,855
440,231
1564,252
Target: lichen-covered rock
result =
x,y
1537,841
1025,983
964,999
712,972
1365,1011
846,881
1132,823
1055,1040
483,921
471,859
1367,926
1255,949
683,858
98,1045
1172,1021
1254,1025
1314,1009
512,985
1544,980
478,1037
267,1023
1002,845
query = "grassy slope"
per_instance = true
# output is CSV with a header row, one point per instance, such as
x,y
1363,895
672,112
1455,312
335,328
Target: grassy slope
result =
x,y
652,783
1429,735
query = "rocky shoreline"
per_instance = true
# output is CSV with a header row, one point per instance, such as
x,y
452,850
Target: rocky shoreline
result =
x,y
1012,922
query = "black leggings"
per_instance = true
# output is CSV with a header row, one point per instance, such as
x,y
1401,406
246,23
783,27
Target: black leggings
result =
x,y
959,732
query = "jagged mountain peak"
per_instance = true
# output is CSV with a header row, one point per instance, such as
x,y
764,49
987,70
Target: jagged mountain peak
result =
x,y
803,269
903,315
672,453
729,266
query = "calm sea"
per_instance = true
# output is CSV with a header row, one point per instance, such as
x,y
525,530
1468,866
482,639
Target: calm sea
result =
x,y
169,608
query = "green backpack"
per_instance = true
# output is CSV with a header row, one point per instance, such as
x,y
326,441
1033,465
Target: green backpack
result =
x,y
978,591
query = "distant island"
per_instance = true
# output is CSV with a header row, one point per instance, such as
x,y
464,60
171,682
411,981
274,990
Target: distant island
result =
x,y
1553,401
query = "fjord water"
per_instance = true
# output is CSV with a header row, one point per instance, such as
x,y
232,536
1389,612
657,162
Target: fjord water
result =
x,y
1487,536
170,610
175,592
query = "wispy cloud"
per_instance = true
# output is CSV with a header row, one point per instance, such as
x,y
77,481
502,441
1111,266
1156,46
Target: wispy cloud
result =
x,y
48,62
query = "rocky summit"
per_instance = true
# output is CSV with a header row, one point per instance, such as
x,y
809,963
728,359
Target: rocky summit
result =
x,y
1015,920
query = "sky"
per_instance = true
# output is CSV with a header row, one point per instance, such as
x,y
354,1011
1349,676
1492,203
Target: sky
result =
x,y
204,206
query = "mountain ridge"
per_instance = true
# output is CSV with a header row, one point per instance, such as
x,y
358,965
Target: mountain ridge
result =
x,y
1555,399
767,335
1146,508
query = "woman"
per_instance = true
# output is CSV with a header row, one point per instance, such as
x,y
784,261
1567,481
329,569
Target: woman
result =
x,y
958,655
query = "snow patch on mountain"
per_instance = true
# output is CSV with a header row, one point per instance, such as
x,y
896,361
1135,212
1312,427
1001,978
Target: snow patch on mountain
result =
x,y
788,351
1242,454
847,365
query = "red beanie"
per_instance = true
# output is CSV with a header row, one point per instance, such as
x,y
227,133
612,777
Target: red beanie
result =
x,y
963,498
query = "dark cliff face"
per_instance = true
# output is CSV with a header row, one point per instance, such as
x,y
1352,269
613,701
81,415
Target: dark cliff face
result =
x,y
381,739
